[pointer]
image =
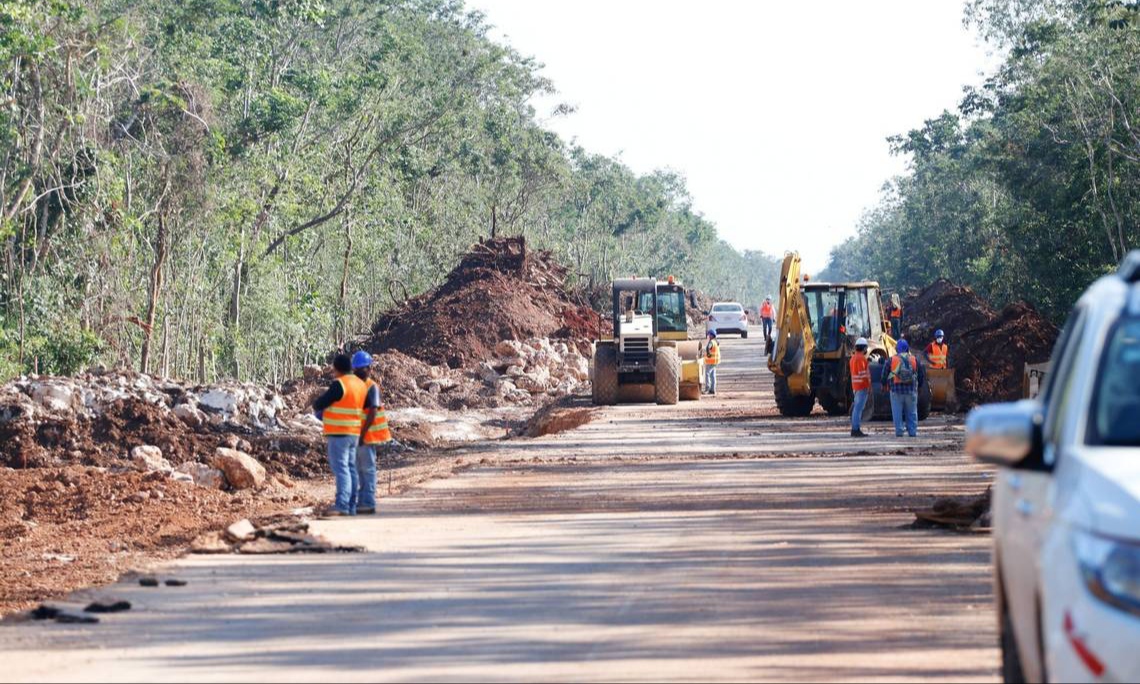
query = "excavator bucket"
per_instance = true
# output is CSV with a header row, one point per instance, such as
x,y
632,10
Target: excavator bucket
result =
x,y
943,395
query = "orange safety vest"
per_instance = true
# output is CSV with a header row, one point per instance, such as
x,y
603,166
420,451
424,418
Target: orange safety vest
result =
x,y
345,417
895,368
712,353
860,373
766,310
938,354
378,432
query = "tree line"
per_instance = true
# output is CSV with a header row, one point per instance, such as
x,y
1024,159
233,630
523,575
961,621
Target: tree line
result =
x,y
1031,189
231,188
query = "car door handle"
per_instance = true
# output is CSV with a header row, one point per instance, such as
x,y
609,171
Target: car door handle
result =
x,y
1025,507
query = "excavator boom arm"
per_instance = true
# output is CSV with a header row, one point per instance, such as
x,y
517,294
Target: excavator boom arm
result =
x,y
795,344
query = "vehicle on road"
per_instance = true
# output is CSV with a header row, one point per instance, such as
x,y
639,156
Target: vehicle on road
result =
x,y
649,344
818,325
1066,505
728,317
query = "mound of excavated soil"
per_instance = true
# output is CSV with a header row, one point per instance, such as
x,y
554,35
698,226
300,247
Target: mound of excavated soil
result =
x,y
988,350
499,291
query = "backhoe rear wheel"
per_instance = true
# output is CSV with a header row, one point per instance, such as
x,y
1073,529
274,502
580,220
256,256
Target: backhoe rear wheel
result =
x,y
667,376
832,404
605,379
791,405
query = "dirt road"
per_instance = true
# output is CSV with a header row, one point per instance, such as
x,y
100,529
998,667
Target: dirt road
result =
x,y
710,541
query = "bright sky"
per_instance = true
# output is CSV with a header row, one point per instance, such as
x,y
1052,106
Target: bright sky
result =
x,y
776,113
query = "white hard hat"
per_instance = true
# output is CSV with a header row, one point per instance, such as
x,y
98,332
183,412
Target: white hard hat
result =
x,y
861,342
769,298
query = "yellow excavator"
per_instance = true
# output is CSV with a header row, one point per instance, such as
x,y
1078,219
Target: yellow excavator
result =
x,y
817,326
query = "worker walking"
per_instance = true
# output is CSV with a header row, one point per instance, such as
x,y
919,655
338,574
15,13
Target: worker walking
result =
x,y
938,352
860,386
767,315
902,378
712,360
375,435
341,410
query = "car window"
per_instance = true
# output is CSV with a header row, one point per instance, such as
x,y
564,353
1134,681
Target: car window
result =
x,y
1058,391
727,307
857,318
1114,417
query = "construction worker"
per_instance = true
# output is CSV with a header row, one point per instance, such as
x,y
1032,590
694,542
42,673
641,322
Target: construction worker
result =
x,y
938,352
767,315
341,410
860,386
712,360
375,434
894,313
902,378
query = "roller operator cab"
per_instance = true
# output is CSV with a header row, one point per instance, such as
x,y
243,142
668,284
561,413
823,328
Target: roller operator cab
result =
x,y
649,344
818,324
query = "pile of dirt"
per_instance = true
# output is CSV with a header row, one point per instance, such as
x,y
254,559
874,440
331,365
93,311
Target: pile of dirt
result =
x,y
499,291
77,526
97,419
988,349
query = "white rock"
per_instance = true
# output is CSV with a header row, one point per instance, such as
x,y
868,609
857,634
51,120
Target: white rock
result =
x,y
55,397
190,415
242,470
220,400
202,475
182,477
149,458
242,530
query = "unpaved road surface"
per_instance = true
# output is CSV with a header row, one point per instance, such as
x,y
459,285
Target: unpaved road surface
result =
x,y
710,541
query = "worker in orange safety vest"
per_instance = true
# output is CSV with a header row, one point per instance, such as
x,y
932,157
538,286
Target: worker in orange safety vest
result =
x,y
767,315
341,411
375,433
938,352
860,386
712,360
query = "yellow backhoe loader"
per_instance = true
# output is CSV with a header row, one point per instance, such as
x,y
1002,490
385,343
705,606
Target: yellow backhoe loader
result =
x,y
817,325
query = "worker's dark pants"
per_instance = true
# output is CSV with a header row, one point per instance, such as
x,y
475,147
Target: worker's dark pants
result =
x,y
767,327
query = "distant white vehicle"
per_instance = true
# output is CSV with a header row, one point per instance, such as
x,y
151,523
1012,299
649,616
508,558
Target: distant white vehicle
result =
x,y
728,317
1066,506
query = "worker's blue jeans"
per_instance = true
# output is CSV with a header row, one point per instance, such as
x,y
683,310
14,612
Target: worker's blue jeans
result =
x,y
342,463
767,322
710,379
904,409
857,410
365,496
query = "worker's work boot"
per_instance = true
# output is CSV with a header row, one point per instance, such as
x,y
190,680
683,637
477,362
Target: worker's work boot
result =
x,y
859,433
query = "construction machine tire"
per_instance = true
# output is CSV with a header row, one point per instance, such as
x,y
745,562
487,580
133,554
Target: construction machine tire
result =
x,y
924,401
832,405
667,376
690,392
605,377
791,405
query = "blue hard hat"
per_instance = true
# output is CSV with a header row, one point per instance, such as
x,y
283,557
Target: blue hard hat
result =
x,y
361,359
711,333
938,333
904,346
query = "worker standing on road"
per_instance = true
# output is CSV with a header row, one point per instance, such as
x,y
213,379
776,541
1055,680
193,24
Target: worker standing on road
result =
x,y
938,352
902,378
860,385
712,360
374,435
341,409
767,315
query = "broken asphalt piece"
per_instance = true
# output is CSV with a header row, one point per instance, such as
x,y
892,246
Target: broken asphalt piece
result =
x,y
175,583
74,619
211,542
148,581
45,612
103,607
265,546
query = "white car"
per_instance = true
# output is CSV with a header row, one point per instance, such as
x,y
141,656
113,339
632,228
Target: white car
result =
x,y
1066,506
728,317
